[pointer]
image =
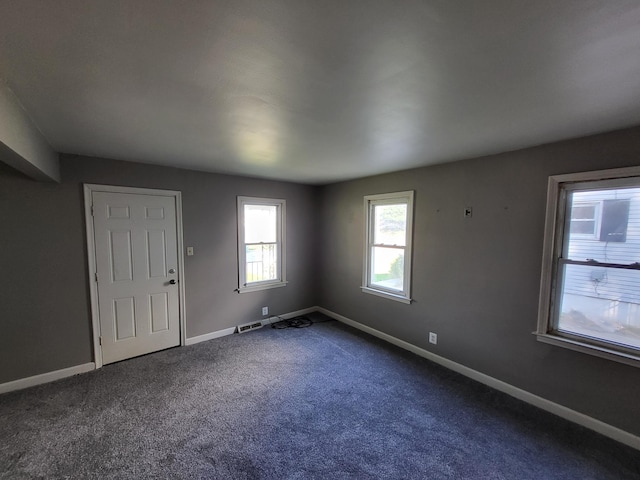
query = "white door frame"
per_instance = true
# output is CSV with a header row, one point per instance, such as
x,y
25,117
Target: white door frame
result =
x,y
89,188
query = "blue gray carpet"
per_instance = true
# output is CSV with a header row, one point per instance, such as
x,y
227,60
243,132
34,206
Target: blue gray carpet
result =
x,y
320,402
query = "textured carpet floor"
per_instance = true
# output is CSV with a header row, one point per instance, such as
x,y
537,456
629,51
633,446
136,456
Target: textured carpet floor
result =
x,y
321,402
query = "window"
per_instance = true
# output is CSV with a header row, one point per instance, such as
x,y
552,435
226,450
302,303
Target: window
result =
x,y
584,218
261,224
604,220
387,263
590,287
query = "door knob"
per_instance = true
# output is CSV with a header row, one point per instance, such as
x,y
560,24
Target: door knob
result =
x,y
172,281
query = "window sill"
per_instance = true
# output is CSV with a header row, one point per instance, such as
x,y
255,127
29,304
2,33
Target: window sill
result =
x,y
584,347
263,286
390,296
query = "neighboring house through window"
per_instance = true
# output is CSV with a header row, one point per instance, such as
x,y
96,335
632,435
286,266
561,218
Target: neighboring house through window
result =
x,y
590,287
261,237
387,262
584,218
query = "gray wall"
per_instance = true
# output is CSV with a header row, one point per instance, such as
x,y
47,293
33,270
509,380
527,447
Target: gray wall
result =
x,y
476,281
45,321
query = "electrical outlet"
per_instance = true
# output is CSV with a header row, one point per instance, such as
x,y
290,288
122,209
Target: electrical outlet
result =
x,y
265,311
433,338
189,251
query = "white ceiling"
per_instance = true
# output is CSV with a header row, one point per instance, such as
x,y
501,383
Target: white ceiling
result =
x,y
323,90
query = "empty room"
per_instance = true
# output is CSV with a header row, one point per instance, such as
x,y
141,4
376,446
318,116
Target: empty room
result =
x,y
319,239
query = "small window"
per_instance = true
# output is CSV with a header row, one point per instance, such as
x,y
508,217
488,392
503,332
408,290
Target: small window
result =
x,y
590,287
261,223
584,219
387,263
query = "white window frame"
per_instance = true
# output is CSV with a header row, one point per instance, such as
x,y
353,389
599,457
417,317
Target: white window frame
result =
x,y
370,201
280,280
555,226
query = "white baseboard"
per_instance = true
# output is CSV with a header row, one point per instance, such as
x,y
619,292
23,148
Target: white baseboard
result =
x,y
46,377
591,423
265,321
210,336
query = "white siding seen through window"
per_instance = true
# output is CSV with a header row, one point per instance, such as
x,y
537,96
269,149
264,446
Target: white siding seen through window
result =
x,y
590,295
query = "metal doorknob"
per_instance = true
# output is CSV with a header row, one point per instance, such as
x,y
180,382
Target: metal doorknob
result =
x,y
172,281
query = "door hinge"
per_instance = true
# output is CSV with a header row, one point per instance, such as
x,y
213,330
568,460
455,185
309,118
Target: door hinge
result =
x,y
96,276
92,210
100,340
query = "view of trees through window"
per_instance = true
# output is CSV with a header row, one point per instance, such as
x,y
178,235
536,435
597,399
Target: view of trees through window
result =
x,y
389,239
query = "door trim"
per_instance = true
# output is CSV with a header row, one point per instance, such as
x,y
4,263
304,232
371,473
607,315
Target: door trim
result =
x,y
89,188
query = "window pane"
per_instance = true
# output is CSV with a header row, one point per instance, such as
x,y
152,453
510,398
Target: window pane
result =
x,y
602,303
583,227
583,212
390,224
387,267
260,223
261,262
612,235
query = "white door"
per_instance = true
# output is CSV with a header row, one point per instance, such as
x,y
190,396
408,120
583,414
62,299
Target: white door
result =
x,y
137,273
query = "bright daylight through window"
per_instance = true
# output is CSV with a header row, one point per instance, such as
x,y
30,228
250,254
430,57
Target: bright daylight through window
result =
x,y
387,263
260,243
590,296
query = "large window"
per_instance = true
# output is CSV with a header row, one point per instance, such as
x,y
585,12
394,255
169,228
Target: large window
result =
x,y
387,263
590,289
261,262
